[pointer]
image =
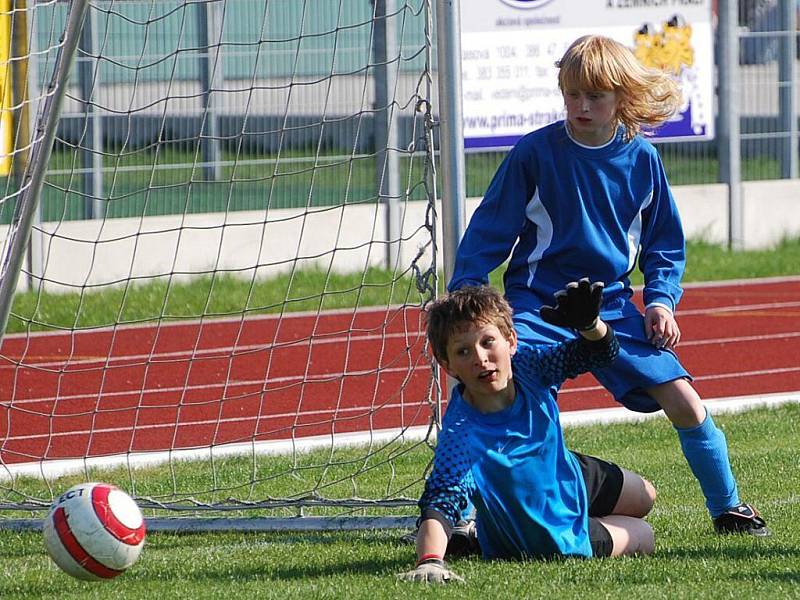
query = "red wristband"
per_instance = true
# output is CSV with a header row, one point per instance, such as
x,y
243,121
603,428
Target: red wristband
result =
x,y
425,557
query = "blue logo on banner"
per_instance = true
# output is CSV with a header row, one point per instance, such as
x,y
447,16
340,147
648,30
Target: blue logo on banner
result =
x,y
526,3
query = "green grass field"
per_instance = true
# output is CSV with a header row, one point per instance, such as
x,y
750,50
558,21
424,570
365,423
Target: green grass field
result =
x,y
690,562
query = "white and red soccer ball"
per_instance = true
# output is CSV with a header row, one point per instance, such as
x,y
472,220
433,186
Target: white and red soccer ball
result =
x,y
94,531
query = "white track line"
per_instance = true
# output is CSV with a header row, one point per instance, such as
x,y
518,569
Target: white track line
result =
x,y
393,310
716,406
288,381
735,374
748,282
227,351
338,410
737,308
294,379
578,418
350,413
230,352
741,338
216,352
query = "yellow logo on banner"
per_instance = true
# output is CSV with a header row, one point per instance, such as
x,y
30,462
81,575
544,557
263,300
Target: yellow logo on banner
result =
x,y
669,49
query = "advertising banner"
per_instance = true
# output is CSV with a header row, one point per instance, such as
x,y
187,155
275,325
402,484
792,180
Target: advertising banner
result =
x,y
509,49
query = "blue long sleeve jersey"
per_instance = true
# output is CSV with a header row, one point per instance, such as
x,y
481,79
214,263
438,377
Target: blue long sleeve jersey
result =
x,y
527,488
569,211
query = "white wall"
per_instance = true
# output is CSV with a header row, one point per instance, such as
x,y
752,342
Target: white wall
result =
x,y
80,253
771,211
101,253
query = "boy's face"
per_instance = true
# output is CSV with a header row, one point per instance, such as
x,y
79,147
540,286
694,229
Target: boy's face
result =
x,y
591,115
479,356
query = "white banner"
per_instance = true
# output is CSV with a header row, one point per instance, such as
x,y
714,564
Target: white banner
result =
x,y
509,49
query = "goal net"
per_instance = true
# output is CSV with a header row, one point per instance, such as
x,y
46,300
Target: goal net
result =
x,y
232,235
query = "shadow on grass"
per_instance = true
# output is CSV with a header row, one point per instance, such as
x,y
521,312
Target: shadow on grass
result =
x,y
367,566
740,552
165,540
337,564
28,552
243,572
791,577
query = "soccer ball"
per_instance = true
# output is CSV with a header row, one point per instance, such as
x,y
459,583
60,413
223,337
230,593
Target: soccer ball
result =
x,y
94,531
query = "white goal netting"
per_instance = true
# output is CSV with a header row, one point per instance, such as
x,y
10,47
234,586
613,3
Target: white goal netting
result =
x,y
219,306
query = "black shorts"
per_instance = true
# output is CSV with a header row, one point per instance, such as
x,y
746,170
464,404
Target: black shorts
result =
x,y
603,487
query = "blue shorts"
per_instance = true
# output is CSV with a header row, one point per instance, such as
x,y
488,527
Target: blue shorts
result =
x,y
639,365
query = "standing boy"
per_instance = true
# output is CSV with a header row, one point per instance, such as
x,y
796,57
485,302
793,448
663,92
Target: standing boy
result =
x,y
589,195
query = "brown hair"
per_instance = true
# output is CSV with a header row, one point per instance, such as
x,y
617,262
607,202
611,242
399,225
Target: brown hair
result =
x,y
645,96
467,306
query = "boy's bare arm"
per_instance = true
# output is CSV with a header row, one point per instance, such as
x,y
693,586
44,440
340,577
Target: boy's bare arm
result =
x,y
431,539
598,332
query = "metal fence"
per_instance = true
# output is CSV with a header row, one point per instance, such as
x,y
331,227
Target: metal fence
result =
x,y
217,86
260,55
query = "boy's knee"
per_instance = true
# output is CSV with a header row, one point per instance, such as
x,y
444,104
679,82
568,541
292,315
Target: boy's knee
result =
x,y
637,496
680,402
646,539
631,535
648,496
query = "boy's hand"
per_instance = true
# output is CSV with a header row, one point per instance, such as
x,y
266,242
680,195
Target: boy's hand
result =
x,y
661,327
577,306
431,570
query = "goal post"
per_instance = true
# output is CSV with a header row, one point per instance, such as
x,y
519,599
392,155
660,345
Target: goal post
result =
x,y
27,196
236,211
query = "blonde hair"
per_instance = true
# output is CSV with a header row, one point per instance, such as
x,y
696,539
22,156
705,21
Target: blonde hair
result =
x,y
645,96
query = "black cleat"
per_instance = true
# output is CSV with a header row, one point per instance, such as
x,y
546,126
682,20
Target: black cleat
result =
x,y
409,538
741,519
463,540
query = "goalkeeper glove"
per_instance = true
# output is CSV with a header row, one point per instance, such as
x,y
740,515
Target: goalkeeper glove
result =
x,y
577,306
431,570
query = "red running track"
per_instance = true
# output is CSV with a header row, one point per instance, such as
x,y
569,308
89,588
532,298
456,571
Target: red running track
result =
x,y
194,385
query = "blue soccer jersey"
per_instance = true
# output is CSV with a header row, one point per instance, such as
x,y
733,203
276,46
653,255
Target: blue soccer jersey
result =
x,y
563,211
513,465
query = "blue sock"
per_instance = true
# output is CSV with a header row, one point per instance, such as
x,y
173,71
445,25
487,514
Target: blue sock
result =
x,y
706,451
